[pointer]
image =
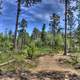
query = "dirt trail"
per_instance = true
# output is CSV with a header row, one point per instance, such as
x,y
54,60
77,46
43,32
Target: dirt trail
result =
x,y
48,69
49,63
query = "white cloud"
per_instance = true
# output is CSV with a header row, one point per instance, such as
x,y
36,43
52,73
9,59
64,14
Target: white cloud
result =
x,y
40,11
43,10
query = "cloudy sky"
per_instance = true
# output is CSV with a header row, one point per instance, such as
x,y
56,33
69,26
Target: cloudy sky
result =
x,y
35,15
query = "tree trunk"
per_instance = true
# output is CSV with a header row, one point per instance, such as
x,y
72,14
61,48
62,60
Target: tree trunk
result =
x,y
17,19
65,42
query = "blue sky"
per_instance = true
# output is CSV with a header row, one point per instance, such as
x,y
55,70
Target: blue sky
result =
x,y
35,15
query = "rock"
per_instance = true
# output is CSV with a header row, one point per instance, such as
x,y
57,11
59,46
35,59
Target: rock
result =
x,y
1,72
24,76
43,75
73,77
77,66
51,75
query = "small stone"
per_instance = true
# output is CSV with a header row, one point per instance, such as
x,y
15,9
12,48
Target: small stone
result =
x,y
77,66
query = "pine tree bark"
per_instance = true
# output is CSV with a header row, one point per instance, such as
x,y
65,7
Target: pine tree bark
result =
x,y
65,38
16,27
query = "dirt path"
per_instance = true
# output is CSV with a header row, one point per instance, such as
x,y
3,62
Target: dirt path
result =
x,y
49,63
48,69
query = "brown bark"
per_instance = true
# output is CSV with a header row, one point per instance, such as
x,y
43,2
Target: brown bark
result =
x,y
65,38
17,19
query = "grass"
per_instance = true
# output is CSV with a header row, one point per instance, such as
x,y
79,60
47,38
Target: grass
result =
x,y
4,57
21,56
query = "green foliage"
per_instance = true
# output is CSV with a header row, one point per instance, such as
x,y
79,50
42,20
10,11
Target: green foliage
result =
x,y
54,28
35,34
49,38
43,34
54,24
38,43
6,43
31,49
22,34
78,36
4,57
59,41
74,60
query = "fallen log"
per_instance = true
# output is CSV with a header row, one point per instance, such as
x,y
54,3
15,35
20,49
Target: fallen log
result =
x,y
8,62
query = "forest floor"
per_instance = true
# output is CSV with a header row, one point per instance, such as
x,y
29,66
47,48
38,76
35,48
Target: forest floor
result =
x,y
54,63
47,67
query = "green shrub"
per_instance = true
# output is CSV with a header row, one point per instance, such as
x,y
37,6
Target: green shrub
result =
x,y
38,42
31,49
74,59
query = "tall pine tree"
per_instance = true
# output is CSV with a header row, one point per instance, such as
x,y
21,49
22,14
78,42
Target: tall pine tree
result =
x,y
54,24
43,33
28,3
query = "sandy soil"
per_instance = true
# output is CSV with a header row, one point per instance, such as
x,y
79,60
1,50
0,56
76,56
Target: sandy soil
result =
x,y
50,63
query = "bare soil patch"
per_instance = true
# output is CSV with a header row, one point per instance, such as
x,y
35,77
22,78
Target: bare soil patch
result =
x,y
48,68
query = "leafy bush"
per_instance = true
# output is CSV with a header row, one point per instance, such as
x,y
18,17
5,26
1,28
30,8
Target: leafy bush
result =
x,y
31,49
74,59
38,43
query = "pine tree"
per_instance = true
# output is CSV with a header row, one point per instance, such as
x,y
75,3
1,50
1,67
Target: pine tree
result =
x,y
22,32
78,28
71,23
28,3
17,20
78,35
35,34
43,34
66,2
54,24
